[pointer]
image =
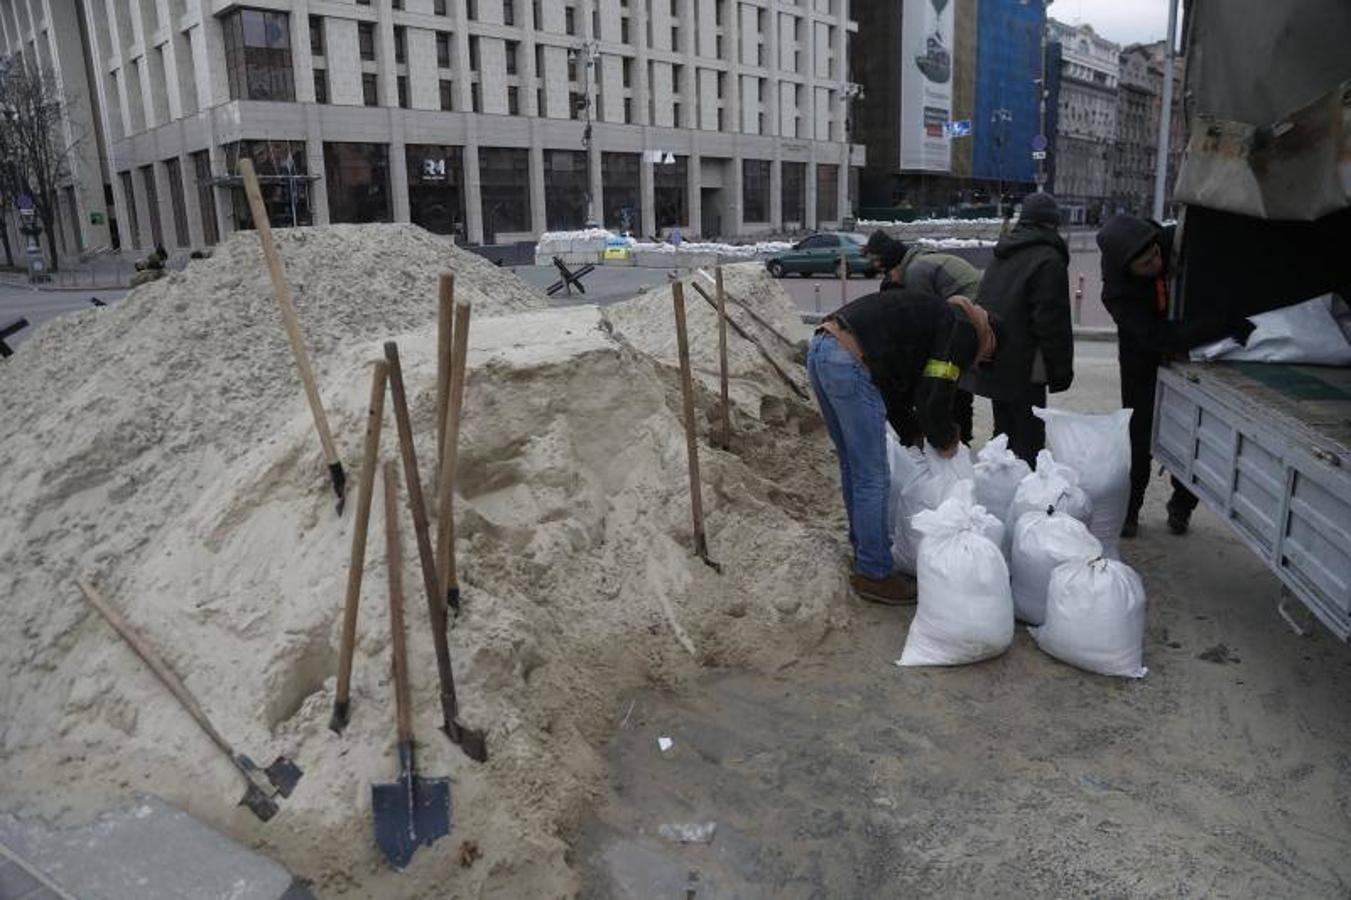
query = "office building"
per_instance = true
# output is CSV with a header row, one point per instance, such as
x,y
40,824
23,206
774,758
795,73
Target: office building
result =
x,y
1086,121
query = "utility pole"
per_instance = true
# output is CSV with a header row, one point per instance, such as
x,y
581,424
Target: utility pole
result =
x,y
1166,116
1042,91
586,53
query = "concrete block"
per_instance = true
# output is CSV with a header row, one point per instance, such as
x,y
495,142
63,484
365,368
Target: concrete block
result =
x,y
145,851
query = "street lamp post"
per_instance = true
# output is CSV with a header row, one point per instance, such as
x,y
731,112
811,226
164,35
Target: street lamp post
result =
x,y
587,52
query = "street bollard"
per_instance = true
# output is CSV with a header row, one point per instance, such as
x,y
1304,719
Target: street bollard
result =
x,y
1079,300
816,289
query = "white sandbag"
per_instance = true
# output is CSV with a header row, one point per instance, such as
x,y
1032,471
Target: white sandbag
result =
x,y
1307,333
1050,486
965,611
1095,618
1098,447
998,474
920,480
1043,541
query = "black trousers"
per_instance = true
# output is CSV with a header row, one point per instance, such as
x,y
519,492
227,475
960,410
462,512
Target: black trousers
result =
x,y
1027,433
1139,378
963,414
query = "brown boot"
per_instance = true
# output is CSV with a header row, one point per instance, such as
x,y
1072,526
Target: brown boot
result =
x,y
897,590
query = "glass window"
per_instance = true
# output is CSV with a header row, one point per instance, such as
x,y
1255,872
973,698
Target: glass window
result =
x,y
317,35
570,20
281,167
471,9
366,39
447,95
827,193
512,47
258,55
436,187
565,189
174,172
513,101
320,86
152,203
504,177
670,192
623,192
475,97
794,192
755,190
443,49
400,44
370,89
358,182
473,53
396,4
133,219
508,12
402,85
439,7
206,195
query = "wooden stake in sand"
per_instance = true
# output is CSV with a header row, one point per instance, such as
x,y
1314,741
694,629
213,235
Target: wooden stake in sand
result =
x,y
445,310
722,360
691,433
445,482
357,567
288,318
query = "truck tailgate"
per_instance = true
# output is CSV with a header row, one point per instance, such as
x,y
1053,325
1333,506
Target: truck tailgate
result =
x,y
1267,447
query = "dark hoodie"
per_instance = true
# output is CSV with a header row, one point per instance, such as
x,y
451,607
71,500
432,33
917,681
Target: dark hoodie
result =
x,y
1027,286
1139,306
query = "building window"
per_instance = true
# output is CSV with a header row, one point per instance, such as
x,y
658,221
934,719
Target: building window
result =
x,y
565,188
447,95
512,47
439,7
624,30
443,50
366,40
152,203
827,193
435,187
513,100
320,86
317,35
475,97
358,182
576,103
623,191
669,193
370,89
473,53
132,218
471,9
572,66
206,196
281,168
258,55
504,178
628,110
537,15
174,172
595,23
400,44
675,38
509,12
396,4
626,69
401,83
755,190
675,115
569,20
794,192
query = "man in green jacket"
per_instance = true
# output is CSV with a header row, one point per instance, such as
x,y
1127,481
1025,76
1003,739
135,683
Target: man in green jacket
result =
x,y
911,267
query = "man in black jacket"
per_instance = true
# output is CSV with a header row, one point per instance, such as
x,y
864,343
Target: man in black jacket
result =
x,y
1027,287
1136,260
893,356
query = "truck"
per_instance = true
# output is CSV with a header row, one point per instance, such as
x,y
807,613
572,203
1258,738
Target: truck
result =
x,y
1265,222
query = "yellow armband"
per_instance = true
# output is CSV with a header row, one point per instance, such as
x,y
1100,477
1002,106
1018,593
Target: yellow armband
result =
x,y
938,368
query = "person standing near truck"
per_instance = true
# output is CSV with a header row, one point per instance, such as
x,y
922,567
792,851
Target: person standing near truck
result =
x,y
893,356
1136,265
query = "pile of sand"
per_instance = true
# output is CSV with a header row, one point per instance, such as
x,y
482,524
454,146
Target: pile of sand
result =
x,y
164,448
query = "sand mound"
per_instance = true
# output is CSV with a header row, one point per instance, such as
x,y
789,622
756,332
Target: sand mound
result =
x,y
164,447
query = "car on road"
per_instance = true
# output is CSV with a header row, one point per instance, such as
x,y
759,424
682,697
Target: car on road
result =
x,y
820,254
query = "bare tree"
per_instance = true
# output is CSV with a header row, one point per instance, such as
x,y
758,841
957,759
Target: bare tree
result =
x,y
39,143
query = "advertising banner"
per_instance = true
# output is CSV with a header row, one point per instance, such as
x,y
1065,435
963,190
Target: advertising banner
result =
x,y
926,84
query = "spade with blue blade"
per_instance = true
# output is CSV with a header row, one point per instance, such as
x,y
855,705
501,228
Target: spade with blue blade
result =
x,y
413,811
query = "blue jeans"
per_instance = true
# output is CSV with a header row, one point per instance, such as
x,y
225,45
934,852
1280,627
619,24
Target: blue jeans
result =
x,y
856,419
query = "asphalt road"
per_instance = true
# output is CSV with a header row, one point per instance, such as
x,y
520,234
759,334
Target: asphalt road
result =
x,y
39,307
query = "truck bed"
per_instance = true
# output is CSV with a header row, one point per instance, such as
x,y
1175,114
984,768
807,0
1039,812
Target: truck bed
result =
x,y
1267,447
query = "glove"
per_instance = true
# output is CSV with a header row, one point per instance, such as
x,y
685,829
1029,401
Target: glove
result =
x,y
1060,383
1242,331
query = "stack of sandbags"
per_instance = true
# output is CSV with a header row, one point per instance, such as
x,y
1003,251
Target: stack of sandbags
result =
x,y
1043,541
920,480
1050,486
998,473
1095,618
1098,447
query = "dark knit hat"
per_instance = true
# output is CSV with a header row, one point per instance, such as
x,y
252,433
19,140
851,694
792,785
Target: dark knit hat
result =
x,y
883,245
1040,209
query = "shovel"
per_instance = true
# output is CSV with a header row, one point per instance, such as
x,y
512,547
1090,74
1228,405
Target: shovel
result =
x,y
413,811
264,784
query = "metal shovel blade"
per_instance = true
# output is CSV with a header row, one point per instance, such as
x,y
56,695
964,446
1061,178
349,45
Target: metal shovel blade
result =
x,y
260,804
283,774
412,812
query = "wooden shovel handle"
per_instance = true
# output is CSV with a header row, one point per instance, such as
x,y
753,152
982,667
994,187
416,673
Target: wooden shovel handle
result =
x,y
445,535
445,312
356,569
394,555
722,360
155,662
691,434
288,310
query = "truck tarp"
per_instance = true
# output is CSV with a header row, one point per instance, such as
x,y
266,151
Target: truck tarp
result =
x,y
1266,181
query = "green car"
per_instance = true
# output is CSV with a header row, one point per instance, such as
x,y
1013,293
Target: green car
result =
x,y
820,254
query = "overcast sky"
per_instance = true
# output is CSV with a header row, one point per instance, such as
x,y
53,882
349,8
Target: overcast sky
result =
x,y
1122,21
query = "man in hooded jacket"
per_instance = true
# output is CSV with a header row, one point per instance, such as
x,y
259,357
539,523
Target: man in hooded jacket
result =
x,y
1136,264
1027,287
